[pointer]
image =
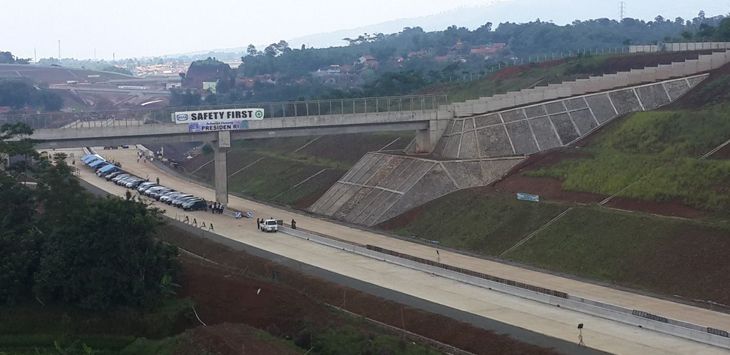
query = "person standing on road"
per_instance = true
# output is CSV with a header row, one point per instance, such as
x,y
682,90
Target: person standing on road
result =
x,y
293,224
158,180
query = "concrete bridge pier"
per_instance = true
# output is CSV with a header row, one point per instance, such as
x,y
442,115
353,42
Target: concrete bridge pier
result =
x,y
423,141
221,147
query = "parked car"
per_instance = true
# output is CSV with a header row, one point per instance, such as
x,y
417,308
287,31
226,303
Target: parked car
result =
x,y
168,197
270,225
106,169
117,179
149,191
178,202
133,182
195,205
145,185
158,193
114,174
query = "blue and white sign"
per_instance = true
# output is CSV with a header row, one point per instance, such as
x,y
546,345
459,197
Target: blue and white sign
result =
x,y
527,197
220,126
218,116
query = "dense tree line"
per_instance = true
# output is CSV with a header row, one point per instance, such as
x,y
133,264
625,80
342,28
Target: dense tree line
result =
x,y
9,58
18,94
62,245
523,40
412,59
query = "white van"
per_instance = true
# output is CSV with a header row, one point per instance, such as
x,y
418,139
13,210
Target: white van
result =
x,y
270,225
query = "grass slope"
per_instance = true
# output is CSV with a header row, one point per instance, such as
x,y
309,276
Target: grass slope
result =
x,y
647,156
656,155
672,257
469,220
293,171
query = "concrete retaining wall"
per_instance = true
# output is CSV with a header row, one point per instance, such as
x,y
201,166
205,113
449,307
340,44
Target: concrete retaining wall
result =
x,y
382,186
592,84
679,47
530,129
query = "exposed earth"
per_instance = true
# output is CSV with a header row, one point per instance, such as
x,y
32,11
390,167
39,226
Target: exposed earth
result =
x,y
235,287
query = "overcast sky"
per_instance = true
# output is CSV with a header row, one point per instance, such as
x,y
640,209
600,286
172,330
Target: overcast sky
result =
x,y
136,28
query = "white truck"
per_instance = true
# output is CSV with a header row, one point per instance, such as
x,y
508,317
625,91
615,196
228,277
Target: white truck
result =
x,y
269,225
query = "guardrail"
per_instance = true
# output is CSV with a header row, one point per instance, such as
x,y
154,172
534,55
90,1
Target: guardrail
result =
x,y
75,120
642,319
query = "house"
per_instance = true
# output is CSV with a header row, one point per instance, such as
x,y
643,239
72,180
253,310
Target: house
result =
x,y
418,54
330,70
487,50
367,61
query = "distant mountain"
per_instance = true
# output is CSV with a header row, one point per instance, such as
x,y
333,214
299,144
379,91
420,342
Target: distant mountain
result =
x,y
557,11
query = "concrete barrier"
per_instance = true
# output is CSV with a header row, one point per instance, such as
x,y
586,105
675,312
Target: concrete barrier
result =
x,y
535,293
703,63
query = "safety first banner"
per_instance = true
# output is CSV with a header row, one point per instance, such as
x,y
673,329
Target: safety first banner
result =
x,y
218,116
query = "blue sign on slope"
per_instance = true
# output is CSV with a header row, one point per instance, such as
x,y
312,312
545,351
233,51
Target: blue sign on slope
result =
x,y
528,197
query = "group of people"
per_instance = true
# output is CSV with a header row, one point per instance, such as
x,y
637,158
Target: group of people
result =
x,y
195,224
216,208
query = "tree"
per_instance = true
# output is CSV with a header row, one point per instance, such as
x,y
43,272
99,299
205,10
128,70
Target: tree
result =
x,y
19,238
723,30
98,255
105,257
251,50
9,58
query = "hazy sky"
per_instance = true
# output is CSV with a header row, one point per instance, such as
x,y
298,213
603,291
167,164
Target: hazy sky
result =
x,y
135,28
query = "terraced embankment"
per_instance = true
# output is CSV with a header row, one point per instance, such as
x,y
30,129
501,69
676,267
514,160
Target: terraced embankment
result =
x,y
382,186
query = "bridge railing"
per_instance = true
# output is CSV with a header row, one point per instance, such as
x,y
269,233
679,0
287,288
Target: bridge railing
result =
x,y
136,117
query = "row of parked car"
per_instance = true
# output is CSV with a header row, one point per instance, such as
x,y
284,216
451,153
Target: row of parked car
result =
x,y
114,173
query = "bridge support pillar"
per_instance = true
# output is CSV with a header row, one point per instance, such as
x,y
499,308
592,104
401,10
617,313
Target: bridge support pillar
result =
x,y
221,169
423,141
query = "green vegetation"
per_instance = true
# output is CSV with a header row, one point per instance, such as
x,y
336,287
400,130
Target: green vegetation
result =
x,y
511,79
476,222
304,167
115,69
654,156
414,60
662,255
9,58
28,327
349,340
63,246
19,94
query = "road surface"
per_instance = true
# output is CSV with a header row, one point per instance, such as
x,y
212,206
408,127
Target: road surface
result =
x,y
599,333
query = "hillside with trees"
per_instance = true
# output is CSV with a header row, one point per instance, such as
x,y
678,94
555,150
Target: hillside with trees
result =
x,y
19,94
406,62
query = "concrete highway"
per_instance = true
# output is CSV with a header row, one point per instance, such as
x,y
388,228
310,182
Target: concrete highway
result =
x,y
599,333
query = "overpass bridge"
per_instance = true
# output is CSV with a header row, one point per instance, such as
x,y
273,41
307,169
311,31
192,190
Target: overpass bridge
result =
x,y
426,115
510,125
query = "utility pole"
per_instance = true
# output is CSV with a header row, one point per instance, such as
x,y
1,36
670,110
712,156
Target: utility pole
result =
x,y
35,55
622,10
59,50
